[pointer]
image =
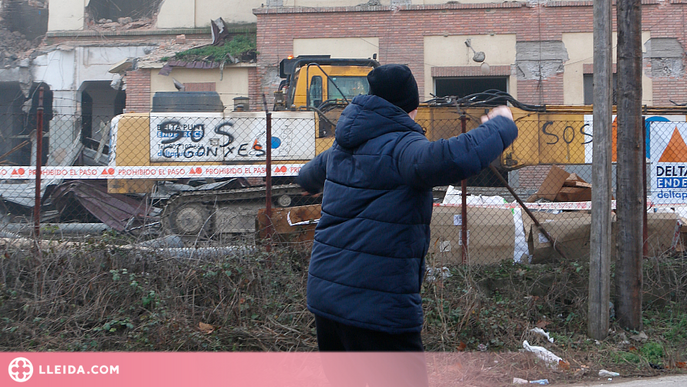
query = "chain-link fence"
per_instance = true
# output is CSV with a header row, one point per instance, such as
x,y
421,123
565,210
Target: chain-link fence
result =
x,y
549,169
200,178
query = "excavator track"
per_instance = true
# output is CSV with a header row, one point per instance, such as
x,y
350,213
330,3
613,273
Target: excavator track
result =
x,y
204,214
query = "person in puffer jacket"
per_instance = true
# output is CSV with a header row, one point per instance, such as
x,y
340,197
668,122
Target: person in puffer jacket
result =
x,y
367,262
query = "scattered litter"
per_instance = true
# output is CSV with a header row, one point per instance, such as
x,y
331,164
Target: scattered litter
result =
x,y
482,347
641,336
623,339
581,372
437,273
206,328
605,373
544,354
543,333
311,221
453,196
543,382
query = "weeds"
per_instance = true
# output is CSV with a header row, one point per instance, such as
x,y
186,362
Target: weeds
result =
x,y
103,295
238,46
97,297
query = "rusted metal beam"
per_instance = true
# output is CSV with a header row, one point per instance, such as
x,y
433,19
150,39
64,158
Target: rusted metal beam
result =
x,y
527,210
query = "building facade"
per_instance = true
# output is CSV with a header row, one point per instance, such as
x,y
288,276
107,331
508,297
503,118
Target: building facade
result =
x,y
539,52
103,57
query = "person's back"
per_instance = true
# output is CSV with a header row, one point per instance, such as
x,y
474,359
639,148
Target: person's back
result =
x,y
367,262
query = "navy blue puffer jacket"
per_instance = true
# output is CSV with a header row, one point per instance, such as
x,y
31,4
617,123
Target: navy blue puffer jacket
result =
x,y
367,261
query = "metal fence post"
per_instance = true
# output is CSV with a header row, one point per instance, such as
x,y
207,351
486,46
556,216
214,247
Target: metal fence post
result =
x,y
268,171
39,157
464,200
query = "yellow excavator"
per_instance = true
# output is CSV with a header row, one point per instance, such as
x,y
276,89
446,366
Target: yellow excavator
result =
x,y
227,149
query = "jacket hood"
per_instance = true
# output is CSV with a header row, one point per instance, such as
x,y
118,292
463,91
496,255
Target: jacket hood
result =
x,y
368,117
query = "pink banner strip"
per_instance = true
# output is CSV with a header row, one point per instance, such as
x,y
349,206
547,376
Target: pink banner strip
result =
x,y
170,369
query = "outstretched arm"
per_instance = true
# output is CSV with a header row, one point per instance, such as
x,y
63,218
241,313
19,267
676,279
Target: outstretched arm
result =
x,y
425,164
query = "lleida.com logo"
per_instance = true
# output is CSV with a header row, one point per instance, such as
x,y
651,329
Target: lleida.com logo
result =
x,y
20,369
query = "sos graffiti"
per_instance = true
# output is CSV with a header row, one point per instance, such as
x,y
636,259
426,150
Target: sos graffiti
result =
x,y
567,136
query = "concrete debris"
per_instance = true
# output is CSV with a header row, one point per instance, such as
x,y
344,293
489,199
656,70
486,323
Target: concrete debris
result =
x,y
122,24
641,336
167,49
14,48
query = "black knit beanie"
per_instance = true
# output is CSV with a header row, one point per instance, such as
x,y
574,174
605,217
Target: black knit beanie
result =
x,y
396,84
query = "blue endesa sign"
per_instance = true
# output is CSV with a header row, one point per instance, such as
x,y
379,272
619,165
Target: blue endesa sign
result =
x,y
668,162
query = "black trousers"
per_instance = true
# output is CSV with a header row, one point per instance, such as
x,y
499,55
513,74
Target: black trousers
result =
x,y
334,336
373,358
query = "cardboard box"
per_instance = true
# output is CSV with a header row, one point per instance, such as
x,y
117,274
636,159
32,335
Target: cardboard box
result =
x,y
575,181
571,233
551,185
291,224
574,194
491,236
561,186
663,232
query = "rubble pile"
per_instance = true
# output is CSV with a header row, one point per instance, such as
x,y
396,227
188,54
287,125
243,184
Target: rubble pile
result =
x,y
121,24
14,47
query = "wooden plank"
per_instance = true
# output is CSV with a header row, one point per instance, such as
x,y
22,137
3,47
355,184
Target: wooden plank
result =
x,y
630,174
600,235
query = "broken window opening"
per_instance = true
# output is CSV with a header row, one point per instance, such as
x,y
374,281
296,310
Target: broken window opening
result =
x,y
11,122
588,86
106,11
99,104
460,87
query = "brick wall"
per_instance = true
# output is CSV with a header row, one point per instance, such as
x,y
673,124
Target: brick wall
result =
x,y
401,33
254,90
548,91
137,91
532,177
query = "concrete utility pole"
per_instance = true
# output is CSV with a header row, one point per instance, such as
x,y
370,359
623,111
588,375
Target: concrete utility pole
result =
x,y
600,239
631,200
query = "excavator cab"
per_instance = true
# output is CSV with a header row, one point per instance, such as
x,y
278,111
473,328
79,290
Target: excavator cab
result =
x,y
319,82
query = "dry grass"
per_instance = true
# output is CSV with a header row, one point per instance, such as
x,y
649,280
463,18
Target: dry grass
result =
x,y
101,295
97,296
